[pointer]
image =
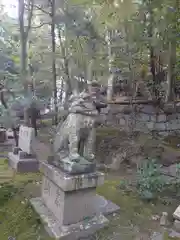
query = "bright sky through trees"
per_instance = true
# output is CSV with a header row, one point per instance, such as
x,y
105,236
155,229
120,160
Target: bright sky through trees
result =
x,y
10,7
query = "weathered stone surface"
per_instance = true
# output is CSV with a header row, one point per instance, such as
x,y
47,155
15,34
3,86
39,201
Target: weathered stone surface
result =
x,y
164,219
22,165
161,118
16,150
150,125
104,206
157,236
67,232
171,117
122,121
9,134
174,235
148,109
176,214
147,118
173,125
143,117
177,225
70,182
69,206
78,166
26,138
160,126
82,203
3,136
74,141
141,126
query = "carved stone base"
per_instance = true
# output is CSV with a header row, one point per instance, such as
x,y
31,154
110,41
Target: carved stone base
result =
x,y
69,206
67,232
22,165
3,137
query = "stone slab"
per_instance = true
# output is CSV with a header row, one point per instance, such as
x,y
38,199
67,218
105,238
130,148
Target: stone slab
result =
x,y
23,165
173,234
9,134
67,232
176,214
176,225
104,206
26,138
72,182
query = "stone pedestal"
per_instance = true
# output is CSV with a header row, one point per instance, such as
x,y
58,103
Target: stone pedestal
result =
x,y
3,137
69,206
4,141
22,162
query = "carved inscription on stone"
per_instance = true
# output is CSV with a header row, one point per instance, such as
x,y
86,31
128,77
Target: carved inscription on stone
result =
x,y
78,182
58,198
26,138
47,187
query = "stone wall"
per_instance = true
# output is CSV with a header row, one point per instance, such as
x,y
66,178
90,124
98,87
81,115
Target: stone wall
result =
x,y
143,118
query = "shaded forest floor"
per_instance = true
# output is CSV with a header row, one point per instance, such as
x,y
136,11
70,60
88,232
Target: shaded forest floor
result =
x,y
135,220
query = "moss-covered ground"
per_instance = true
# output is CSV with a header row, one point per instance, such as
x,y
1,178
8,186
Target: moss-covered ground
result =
x,y
17,218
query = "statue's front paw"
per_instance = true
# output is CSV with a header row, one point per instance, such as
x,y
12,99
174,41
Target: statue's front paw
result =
x,y
74,158
91,157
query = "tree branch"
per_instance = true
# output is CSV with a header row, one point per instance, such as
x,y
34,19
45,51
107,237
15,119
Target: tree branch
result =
x,y
42,10
21,15
30,14
41,25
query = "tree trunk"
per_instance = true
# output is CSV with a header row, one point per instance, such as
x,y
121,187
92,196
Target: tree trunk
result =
x,y
111,77
15,136
53,42
24,31
34,114
171,76
67,83
151,49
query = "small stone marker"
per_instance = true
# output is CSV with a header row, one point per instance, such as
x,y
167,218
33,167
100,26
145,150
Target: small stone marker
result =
x,y
22,158
26,137
163,219
4,140
3,136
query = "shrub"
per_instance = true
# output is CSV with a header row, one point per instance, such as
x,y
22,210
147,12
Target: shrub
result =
x,y
7,191
150,181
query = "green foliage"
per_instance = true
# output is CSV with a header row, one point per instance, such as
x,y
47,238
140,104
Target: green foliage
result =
x,y
7,192
150,181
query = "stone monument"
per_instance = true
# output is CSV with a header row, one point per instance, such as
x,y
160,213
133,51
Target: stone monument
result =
x,y
3,136
69,206
22,158
5,141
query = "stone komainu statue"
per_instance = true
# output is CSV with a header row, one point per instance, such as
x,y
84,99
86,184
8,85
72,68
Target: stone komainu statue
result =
x,y
73,145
